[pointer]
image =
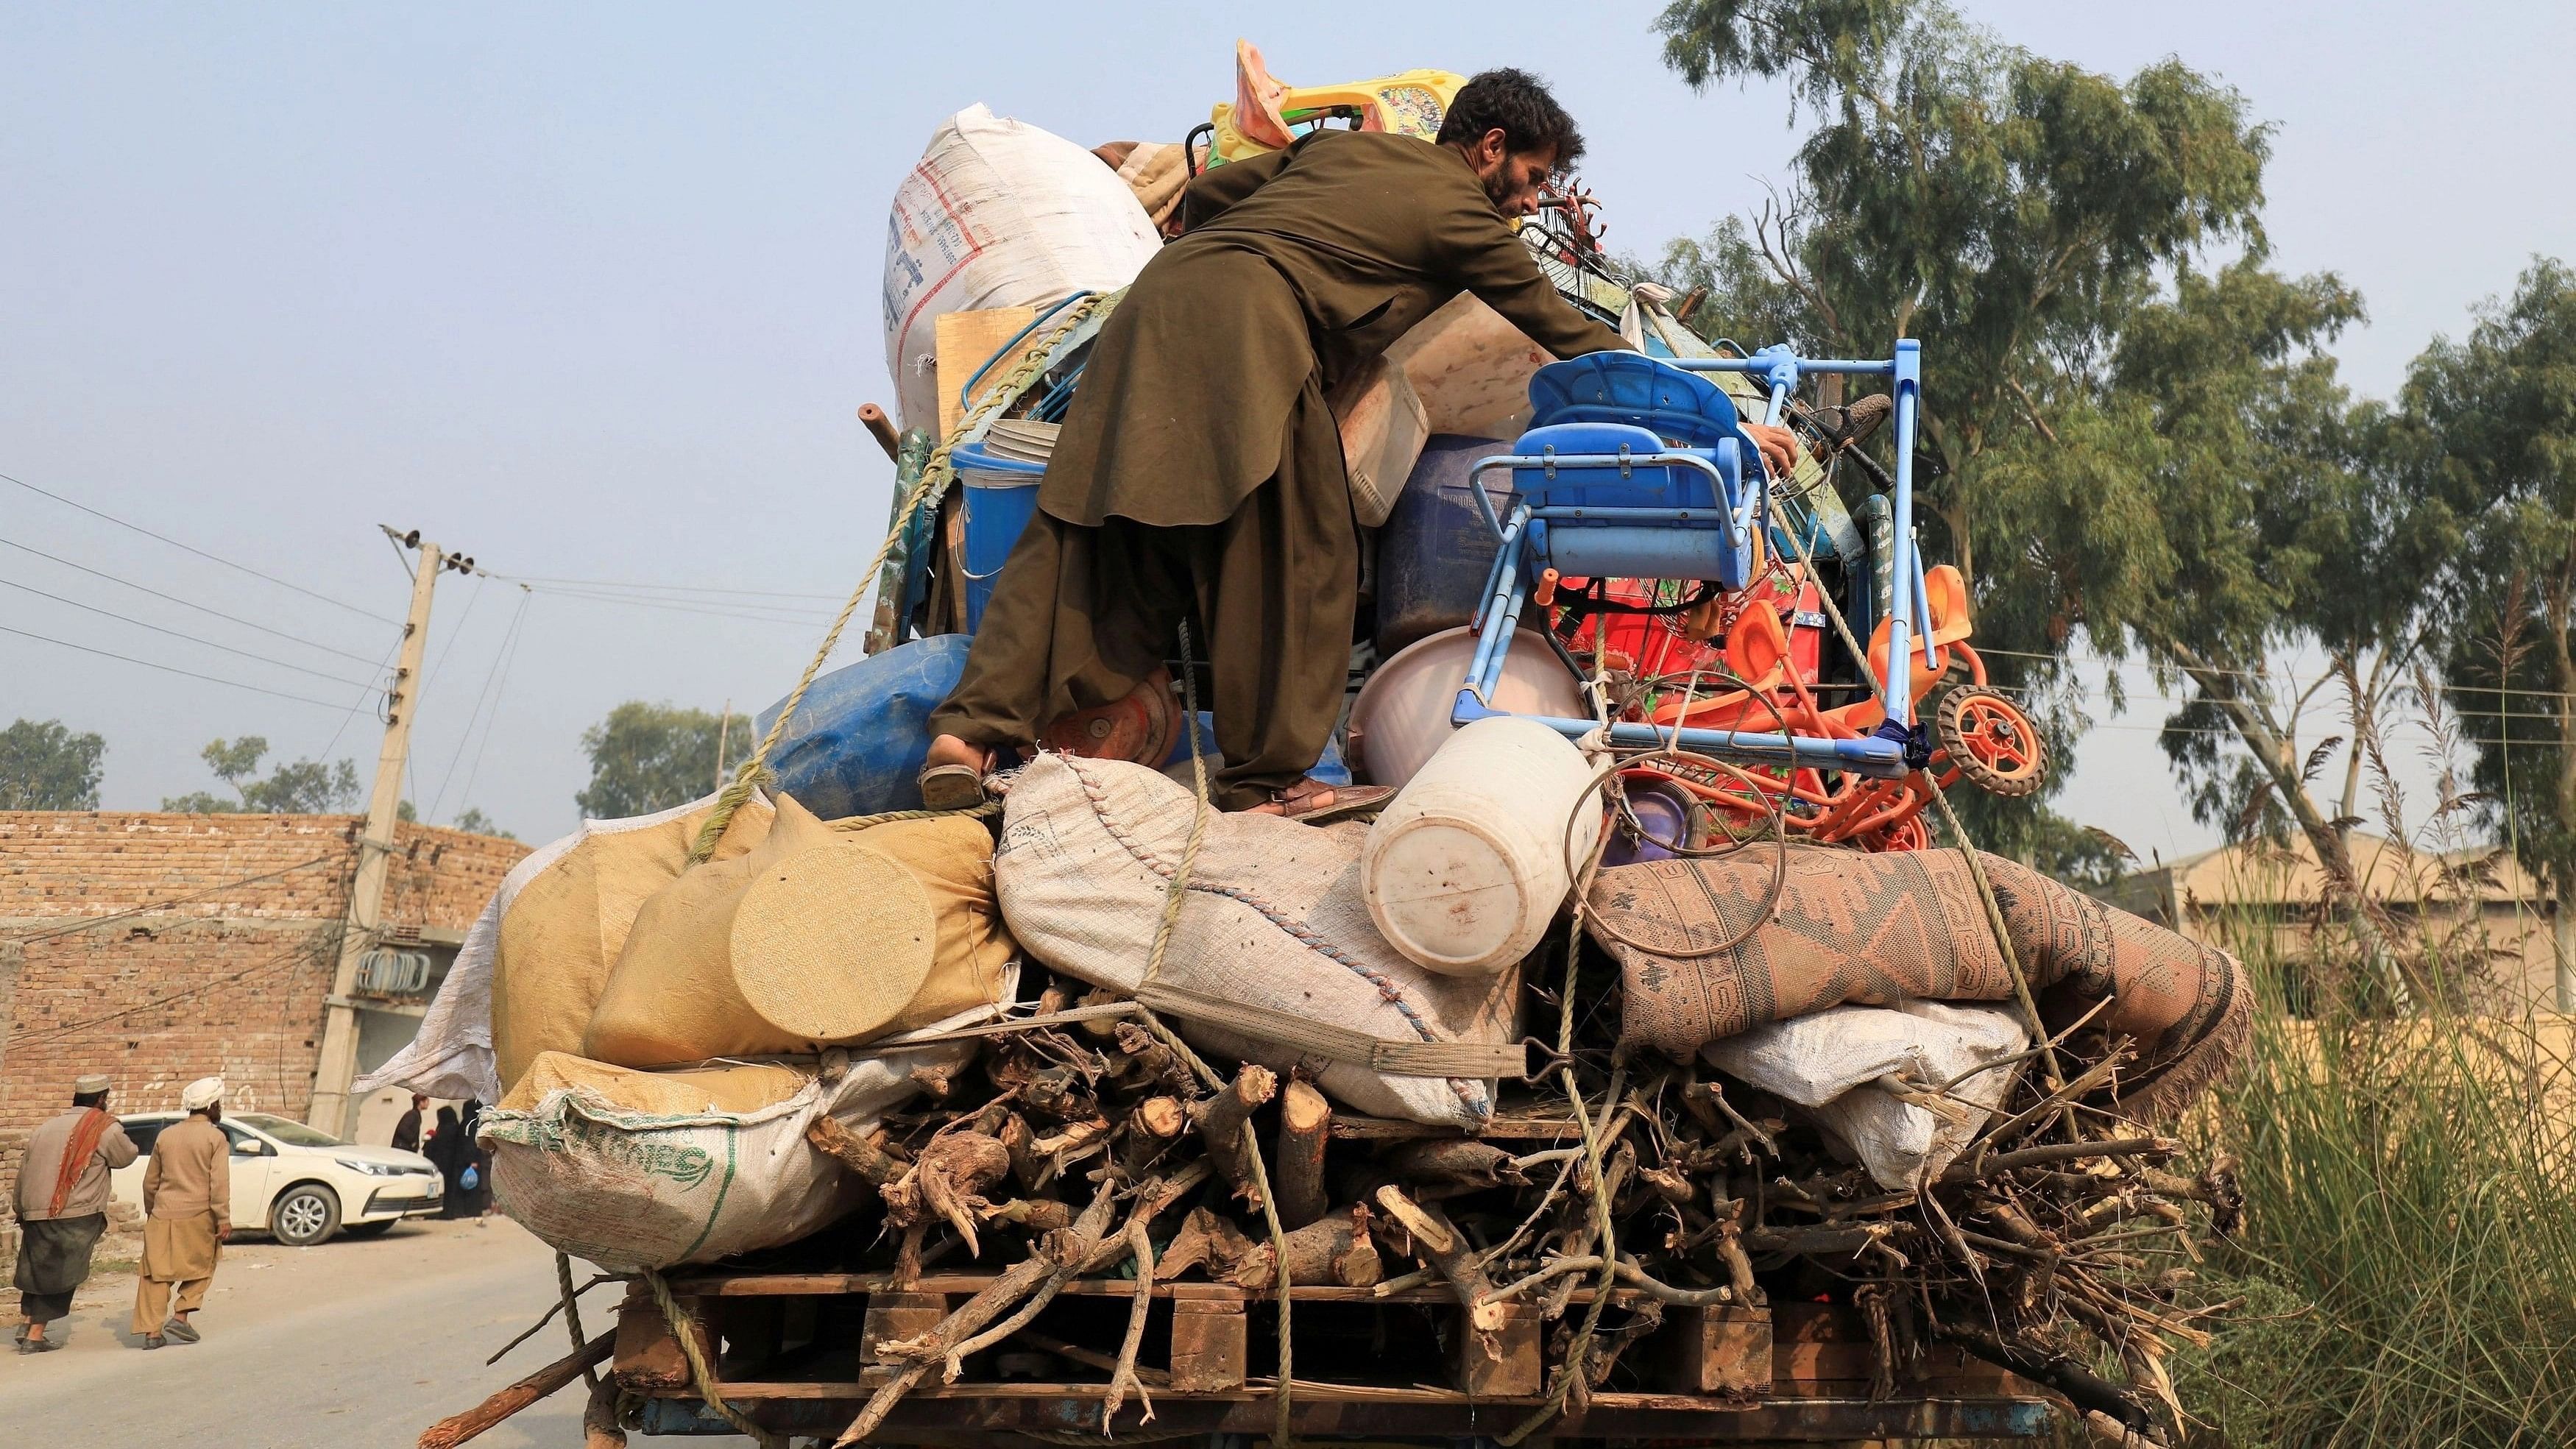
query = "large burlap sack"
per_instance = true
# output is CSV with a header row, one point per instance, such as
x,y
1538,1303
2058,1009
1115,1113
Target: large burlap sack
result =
x,y
646,1170
1838,1062
1876,930
1273,921
998,214
532,965
813,937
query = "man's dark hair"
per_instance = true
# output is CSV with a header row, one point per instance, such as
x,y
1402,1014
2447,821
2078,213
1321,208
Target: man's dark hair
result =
x,y
88,1099
1516,103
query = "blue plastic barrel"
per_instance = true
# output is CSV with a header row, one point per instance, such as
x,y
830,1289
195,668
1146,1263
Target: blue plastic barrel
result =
x,y
1434,553
1001,495
858,741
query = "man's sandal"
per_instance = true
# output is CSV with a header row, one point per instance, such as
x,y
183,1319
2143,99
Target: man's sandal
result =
x,y
153,1340
180,1330
951,787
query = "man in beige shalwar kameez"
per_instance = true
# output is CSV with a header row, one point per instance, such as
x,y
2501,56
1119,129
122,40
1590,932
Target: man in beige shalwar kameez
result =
x,y
187,1205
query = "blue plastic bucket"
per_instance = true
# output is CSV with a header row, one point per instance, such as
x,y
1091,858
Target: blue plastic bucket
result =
x,y
858,741
1001,495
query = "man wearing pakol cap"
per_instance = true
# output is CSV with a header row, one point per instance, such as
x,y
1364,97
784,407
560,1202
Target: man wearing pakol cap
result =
x,y
62,1206
187,1205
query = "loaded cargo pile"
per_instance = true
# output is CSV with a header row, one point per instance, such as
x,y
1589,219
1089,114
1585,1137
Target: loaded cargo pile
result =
x,y
1610,1083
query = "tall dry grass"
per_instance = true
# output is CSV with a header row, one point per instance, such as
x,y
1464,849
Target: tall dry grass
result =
x,y
2408,1266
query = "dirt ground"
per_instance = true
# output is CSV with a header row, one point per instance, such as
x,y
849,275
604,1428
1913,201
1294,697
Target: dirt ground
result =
x,y
351,1344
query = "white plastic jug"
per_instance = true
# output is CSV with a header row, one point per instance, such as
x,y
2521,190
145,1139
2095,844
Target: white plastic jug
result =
x,y
1466,867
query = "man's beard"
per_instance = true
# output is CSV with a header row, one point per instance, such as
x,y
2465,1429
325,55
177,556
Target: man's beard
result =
x,y
1498,187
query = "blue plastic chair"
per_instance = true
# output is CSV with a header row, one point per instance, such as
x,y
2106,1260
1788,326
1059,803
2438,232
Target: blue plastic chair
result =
x,y
1636,467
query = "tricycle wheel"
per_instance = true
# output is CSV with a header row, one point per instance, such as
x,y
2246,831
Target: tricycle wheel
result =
x,y
1991,742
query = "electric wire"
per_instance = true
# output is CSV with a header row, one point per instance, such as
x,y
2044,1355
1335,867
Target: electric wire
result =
x,y
292,953
781,617
199,552
518,636
183,603
465,736
167,668
173,633
88,923
660,588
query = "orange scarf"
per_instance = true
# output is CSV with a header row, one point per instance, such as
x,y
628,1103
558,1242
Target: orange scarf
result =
x,y
76,1154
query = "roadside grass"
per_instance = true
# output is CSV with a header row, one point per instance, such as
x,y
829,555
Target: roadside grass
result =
x,y
2408,1267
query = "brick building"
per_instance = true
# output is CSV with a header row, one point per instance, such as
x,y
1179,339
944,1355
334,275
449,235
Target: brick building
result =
x,y
159,948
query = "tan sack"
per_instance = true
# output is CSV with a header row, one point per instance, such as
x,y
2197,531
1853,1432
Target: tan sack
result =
x,y
814,937
1383,430
649,1169
1273,953
566,914
1876,930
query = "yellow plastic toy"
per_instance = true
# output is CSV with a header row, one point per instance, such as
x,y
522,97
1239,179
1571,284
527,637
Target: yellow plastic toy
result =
x,y
1265,113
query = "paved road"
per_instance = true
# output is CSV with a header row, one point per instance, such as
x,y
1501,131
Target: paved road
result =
x,y
351,1345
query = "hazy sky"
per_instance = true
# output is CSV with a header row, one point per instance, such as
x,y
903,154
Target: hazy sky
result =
x,y
591,293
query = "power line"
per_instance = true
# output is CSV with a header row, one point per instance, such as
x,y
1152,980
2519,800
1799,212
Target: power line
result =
x,y
185,604
669,588
517,635
291,953
509,638
817,617
199,552
175,634
165,668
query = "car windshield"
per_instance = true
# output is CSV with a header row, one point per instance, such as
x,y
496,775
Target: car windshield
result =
x,y
293,1134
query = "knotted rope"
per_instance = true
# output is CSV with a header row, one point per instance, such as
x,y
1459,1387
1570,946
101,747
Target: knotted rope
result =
x,y
935,475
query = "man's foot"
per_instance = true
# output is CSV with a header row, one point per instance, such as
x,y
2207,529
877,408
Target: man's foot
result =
x,y
952,777
1314,802
37,1343
24,1328
153,1340
181,1330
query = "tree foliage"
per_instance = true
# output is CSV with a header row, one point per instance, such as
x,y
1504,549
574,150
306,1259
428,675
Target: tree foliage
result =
x,y
2491,424
648,757
300,787
44,766
472,819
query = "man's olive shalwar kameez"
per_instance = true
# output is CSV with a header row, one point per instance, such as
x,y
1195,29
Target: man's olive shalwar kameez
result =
x,y
1199,472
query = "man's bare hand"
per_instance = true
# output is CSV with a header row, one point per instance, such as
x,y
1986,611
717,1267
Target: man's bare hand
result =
x,y
1779,447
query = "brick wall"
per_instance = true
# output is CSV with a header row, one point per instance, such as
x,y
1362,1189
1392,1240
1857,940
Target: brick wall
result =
x,y
224,963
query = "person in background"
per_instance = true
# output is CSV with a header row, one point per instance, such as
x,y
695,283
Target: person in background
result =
x,y
475,1177
446,1152
187,1206
407,1131
62,1206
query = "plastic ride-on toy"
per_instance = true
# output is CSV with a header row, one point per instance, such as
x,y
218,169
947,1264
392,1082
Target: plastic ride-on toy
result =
x,y
1637,469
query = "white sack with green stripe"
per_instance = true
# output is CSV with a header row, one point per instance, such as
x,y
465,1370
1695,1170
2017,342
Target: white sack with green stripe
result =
x,y
628,1188
1273,957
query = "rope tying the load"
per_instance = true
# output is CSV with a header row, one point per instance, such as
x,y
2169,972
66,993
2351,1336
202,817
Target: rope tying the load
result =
x,y
572,1314
935,474
702,1376
1172,899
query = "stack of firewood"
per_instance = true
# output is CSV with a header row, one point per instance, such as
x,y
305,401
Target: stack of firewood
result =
x,y
2057,1246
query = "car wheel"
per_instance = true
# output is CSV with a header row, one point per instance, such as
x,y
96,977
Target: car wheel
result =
x,y
305,1216
367,1230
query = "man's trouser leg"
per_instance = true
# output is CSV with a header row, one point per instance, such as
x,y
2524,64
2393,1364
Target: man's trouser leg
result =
x,y
1277,584
151,1305
1078,618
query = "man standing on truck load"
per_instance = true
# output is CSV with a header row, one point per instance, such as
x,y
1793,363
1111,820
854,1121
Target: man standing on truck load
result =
x,y
1199,472
187,1215
62,1206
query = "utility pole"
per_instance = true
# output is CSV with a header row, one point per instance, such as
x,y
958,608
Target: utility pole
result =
x,y
338,1066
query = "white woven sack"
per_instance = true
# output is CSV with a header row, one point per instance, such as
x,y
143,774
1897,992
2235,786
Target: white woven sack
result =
x,y
1273,919
998,214
1832,1062
628,1190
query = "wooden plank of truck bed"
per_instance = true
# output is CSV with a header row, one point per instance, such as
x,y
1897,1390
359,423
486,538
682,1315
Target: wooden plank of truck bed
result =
x,y
970,1414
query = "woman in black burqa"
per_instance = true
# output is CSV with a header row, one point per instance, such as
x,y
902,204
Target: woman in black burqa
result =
x,y
468,1170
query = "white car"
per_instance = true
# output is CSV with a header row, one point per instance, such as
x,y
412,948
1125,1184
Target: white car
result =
x,y
300,1184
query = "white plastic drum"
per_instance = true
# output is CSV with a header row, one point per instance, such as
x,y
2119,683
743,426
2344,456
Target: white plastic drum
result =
x,y
1466,867
1402,714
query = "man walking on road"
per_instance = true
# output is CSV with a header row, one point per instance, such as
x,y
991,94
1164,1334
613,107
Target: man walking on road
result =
x,y
62,1206
187,1202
